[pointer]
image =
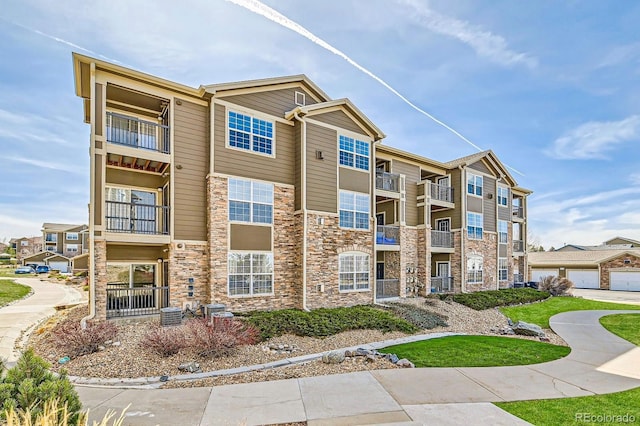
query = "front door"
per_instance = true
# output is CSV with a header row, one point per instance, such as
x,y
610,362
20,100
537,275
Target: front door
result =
x,y
443,225
380,271
442,269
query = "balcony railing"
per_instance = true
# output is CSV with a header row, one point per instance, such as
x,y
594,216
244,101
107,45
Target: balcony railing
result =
x,y
123,301
441,193
517,211
518,278
133,132
135,218
387,288
51,238
441,284
388,235
518,246
442,239
388,181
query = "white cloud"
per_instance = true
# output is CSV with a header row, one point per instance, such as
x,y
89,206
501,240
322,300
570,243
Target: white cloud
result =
x,y
484,43
69,168
621,55
595,138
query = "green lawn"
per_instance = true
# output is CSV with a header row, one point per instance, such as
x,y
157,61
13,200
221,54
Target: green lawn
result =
x,y
539,313
477,351
626,326
10,273
10,291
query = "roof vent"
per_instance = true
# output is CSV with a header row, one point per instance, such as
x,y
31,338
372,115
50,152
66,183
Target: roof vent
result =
x,y
300,98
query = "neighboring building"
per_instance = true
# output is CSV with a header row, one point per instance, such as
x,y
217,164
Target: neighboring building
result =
x,y
612,265
266,194
25,246
66,239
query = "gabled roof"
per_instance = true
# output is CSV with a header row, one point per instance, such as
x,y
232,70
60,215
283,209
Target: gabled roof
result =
x,y
263,82
45,255
575,258
628,240
60,227
491,158
345,104
469,159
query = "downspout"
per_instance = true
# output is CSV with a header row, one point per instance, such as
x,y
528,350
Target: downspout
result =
x,y
498,245
463,199
303,153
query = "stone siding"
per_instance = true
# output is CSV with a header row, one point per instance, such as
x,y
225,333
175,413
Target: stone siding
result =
x,y
100,278
188,267
488,249
423,245
409,259
457,262
617,265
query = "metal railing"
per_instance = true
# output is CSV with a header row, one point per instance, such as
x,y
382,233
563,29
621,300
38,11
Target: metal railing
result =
x,y
388,181
518,246
441,192
135,218
387,235
518,278
130,131
387,288
441,284
517,211
123,301
442,239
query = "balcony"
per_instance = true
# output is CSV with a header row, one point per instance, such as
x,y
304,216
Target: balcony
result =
x,y
441,193
441,284
51,238
387,235
517,212
136,133
389,182
518,246
441,242
388,288
147,299
518,278
134,218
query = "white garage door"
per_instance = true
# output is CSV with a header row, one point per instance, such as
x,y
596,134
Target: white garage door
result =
x,y
538,274
59,266
584,278
626,281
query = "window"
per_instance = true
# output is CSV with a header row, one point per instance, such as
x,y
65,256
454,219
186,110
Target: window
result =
x,y
72,248
474,269
250,133
503,196
354,210
354,153
72,236
502,231
474,226
51,248
51,237
250,273
250,201
354,271
300,98
24,243
474,184
503,269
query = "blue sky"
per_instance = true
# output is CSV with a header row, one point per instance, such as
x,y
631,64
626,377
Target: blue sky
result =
x,y
551,87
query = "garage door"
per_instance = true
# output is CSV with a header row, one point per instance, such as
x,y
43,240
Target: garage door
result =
x,y
59,266
626,281
584,278
538,274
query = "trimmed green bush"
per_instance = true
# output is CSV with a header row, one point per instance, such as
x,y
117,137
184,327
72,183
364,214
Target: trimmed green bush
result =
x,y
30,385
481,300
420,317
326,321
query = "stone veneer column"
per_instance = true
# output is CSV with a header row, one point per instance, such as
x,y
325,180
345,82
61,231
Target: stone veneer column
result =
x,y
100,278
457,261
408,256
423,251
188,262
487,248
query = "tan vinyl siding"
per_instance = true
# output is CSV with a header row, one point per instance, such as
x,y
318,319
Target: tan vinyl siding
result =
x,y
435,258
297,142
388,208
98,162
191,151
481,167
380,256
274,102
489,187
231,161
412,176
132,178
420,215
354,180
504,213
85,78
338,119
250,237
474,204
459,189
502,250
122,253
322,192
81,263
99,112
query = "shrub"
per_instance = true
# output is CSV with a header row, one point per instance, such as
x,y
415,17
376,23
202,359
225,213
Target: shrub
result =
x,y
56,414
556,286
164,341
481,300
29,386
220,337
76,341
417,316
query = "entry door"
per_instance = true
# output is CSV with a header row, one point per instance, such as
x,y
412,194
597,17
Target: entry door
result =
x,y
380,271
443,225
380,219
443,189
442,269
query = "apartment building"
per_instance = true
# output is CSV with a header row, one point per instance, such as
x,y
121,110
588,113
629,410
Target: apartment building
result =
x,y
68,240
25,246
268,194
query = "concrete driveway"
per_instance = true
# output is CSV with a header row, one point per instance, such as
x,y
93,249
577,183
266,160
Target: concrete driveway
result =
x,y
628,297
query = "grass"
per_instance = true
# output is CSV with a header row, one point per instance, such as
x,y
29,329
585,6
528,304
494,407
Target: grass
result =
x,y
489,299
539,313
9,272
477,351
10,291
626,326
566,410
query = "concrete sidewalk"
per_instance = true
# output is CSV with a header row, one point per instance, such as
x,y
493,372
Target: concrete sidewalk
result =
x,y
614,296
18,317
600,362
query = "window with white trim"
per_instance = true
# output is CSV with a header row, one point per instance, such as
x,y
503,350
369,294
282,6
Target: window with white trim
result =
x,y
250,201
474,268
503,196
72,236
51,248
474,225
250,133
354,271
51,237
503,231
354,210
72,248
250,274
354,153
503,269
474,184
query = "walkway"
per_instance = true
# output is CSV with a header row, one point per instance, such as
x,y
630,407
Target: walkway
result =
x,y
600,362
18,317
